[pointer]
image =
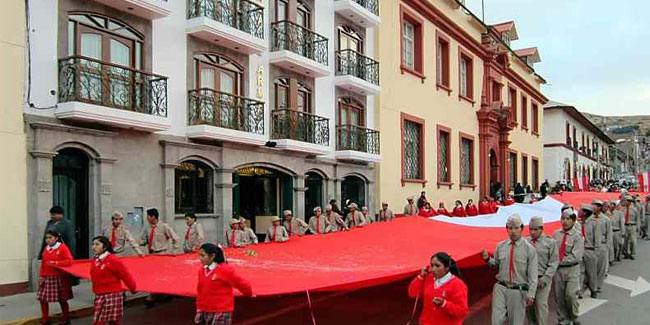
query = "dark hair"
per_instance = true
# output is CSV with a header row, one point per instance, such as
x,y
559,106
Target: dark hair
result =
x,y
153,212
191,215
587,213
57,209
212,249
105,242
54,234
448,262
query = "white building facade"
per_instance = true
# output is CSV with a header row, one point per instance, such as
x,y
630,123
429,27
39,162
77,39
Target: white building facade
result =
x,y
573,146
223,108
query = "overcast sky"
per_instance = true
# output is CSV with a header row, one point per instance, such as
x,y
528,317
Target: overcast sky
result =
x,y
595,53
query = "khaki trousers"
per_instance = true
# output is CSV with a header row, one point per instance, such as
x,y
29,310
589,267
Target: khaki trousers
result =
x,y
567,284
537,314
629,247
508,305
603,263
590,259
617,244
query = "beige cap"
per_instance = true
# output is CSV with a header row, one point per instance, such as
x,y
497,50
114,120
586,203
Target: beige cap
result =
x,y
597,202
568,212
234,221
628,198
353,205
588,207
515,220
386,203
409,198
317,209
274,219
536,222
328,207
287,212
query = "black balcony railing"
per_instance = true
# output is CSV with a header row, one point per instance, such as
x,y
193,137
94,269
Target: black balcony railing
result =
x,y
357,138
300,126
350,62
93,81
244,15
289,36
210,107
371,5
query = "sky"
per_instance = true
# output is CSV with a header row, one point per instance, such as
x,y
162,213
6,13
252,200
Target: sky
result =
x,y
595,53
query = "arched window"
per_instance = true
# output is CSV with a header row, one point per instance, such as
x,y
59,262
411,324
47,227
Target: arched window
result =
x,y
350,39
219,73
282,95
194,184
104,38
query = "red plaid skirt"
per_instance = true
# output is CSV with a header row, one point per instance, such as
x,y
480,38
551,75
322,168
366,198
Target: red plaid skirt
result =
x,y
53,288
204,318
108,307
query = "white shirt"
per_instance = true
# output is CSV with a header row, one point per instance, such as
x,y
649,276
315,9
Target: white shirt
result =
x,y
210,268
103,255
55,246
437,283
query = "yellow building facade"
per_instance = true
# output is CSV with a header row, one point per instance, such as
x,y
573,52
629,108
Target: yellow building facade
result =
x,y
13,192
452,114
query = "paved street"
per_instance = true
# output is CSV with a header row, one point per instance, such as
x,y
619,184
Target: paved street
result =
x,y
387,305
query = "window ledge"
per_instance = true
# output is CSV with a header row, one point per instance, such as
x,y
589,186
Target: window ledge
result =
x,y
535,133
413,72
199,216
450,184
525,128
472,186
417,181
465,98
443,87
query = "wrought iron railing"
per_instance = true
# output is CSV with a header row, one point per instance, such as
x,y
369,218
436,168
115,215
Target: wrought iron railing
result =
x,y
357,138
286,35
370,5
350,62
211,107
300,126
93,81
244,15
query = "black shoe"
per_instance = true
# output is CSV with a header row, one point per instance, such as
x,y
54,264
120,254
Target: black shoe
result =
x,y
594,295
632,258
599,290
576,322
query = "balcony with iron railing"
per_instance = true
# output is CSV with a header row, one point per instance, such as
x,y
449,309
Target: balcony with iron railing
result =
x,y
357,72
357,143
107,93
235,24
300,131
297,48
362,12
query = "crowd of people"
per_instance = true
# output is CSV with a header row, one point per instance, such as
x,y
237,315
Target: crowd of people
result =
x,y
577,257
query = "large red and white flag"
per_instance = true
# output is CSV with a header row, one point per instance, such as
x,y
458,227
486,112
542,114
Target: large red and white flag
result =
x,y
644,181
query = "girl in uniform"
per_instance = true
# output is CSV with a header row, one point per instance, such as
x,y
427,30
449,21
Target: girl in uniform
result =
x,y
215,300
107,274
54,284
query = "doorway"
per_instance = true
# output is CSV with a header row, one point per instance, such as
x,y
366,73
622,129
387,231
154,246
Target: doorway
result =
x,y
353,188
70,191
313,194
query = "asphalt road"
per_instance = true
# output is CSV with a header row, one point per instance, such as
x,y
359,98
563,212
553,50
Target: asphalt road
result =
x,y
387,305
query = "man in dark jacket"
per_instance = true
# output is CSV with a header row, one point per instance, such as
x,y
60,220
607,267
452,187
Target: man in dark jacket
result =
x,y
61,225
520,193
422,200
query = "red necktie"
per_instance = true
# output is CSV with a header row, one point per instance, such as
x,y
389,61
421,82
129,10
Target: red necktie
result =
x,y
274,229
187,233
511,266
151,233
317,225
113,239
627,215
583,231
563,247
354,220
232,238
290,227
535,243
413,210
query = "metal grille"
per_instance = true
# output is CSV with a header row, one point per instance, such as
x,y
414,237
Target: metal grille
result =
x,y
444,157
244,15
466,162
412,155
286,35
207,106
357,138
349,62
300,126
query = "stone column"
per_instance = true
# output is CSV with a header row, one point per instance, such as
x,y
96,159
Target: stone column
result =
x,y
223,200
41,200
370,198
105,204
299,196
167,210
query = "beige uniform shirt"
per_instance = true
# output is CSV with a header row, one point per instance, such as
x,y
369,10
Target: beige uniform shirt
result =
x,y
281,234
547,259
320,227
618,221
633,216
525,264
356,220
410,210
336,222
193,239
250,237
296,227
239,239
592,233
122,237
606,234
163,233
573,246
386,215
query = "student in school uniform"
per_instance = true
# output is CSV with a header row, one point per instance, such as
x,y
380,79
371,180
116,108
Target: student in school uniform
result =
x,y
235,236
215,299
249,235
426,211
120,236
566,280
484,206
366,215
547,262
459,210
53,283
385,214
318,224
355,217
442,211
471,208
157,237
335,220
194,235
107,274
410,209
443,293
276,233
295,226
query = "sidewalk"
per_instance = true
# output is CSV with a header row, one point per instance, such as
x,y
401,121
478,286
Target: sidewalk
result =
x,y
24,309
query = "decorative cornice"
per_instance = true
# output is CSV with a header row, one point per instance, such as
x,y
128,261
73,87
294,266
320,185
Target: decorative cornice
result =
x,y
169,165
70,129
105,160
182,144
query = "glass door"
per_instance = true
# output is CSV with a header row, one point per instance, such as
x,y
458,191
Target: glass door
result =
x,y
90,76
120,78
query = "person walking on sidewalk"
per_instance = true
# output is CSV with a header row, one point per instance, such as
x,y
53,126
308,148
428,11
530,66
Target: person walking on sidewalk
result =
x,y
215,299
618,230
592,237
630,217
62,226
194,235
605,239
567,278
107,274
516,261
53,283
443,293
547,262
120,236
